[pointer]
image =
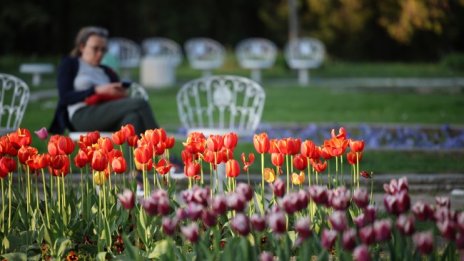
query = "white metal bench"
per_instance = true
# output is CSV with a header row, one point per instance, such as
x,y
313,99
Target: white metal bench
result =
x,y
36,69
136,90
13,102
303,54
204,54
256,54
127,54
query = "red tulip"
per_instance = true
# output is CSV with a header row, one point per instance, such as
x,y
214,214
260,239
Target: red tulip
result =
x,y
249,162
354,157
232,168
230,140
319,166
7,165
163,166
128,130
309,150
277,159
119,137
118,164
26,152
192,169
261,143
215,143
132,140
143,154
38,161
99,160
21,137
300,162
59,165
340,135
170,142
356,145
81,159
65,145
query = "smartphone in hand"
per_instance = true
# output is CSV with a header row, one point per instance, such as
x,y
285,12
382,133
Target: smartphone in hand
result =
x,y
126,84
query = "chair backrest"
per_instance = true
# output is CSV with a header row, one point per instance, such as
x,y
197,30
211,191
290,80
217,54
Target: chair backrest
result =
x,y
304,53
163,47
220,104
13,102
204,53
256,53
126,51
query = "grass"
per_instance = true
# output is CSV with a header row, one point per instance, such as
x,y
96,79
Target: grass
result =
x,y
290,104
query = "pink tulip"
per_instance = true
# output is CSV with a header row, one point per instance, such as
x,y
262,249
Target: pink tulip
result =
x,y
396,186
240,224
209,217
423,242
150,206
338,221
245,190
181,214
219,204
169,225
370,213
460,221
194,211
422,211
328,238
277,223
163,206
340,198
447,229
361,253
278,187
443,202
290,203
441,214
405,224
127,199
367,235
361,197
382,230
349,239
191,232
303,227
42,133
258,223
360,221
236,202
303,200
266,256
460,241
319,195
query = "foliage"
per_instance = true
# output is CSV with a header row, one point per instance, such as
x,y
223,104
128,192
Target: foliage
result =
x,y
454,61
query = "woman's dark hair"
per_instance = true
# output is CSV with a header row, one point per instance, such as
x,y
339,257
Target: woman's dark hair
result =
x,y
84,35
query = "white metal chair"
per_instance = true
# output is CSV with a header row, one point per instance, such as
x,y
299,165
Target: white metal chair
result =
x,y
221,104
13,102
163,47
256,54
303,54
126,52
135,90
204,54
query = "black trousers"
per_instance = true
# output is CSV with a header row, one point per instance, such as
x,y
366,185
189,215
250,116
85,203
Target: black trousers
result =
x,y
111,115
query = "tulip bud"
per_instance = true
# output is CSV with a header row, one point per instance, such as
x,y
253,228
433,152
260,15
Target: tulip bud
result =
x,y
219,204
338,221
367,235
423,242
277,222
328,238
163,206
245,190
278,187
382,230
289,203
236,202
181,213
303,227
340,198
169,225
258,223
240,224
303,200
42,133
127,199
405,224
150,206
349,239
194,211
191,232
369,213
361,253
361,197
208,217
360,221
319,195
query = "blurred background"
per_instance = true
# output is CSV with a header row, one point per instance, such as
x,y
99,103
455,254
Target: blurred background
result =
x,y
393,30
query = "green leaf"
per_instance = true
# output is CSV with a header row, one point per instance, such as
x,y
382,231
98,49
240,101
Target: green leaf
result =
x,y
15,256
61,245
161,248
101,256
5,243
259,203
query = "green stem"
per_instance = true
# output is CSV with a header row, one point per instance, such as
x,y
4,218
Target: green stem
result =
x,y
262,177
10,183
288,173
45,198
3,207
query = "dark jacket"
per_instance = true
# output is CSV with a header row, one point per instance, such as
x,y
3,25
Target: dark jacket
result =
x,y
67,72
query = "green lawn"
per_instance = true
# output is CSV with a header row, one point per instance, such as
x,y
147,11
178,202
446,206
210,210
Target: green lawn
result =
x,y
291,104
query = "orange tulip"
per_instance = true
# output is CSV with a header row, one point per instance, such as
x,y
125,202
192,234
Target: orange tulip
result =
x,y
143,154
336,147
118,164
277,159
230,140
163,166
356,145
300,162
309,150
232,168
196,143
274,146
340,135
99,160
298,179
249,162
323,152
261,143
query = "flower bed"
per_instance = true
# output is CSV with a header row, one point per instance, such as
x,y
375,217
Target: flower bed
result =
x,y
290,213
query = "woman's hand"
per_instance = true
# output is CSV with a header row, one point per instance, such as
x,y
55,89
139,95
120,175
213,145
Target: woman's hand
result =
x,y
113,89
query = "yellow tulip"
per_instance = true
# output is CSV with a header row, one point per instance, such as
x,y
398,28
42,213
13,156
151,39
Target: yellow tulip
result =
x,y
269,175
